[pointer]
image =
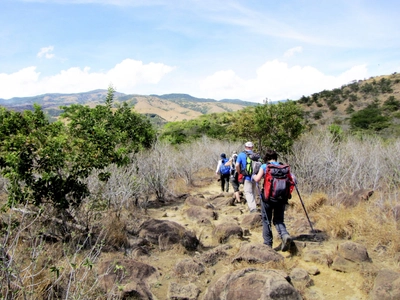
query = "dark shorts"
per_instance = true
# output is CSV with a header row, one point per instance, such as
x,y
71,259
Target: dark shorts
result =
x,y
235,183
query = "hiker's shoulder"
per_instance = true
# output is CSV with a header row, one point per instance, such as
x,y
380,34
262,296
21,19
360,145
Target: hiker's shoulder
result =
x,y
242,155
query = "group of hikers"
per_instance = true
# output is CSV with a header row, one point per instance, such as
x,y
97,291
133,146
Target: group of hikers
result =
x,y
249,169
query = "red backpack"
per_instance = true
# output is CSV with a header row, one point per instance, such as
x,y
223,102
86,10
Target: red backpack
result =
x,y
278,183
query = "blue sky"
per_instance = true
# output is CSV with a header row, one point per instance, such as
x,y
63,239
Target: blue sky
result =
x,y
238,49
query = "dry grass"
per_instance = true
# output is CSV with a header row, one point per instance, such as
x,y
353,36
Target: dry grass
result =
x,y
312,203
116,236
366,223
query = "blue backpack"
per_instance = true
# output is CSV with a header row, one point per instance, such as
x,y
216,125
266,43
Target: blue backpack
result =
x,y
224,170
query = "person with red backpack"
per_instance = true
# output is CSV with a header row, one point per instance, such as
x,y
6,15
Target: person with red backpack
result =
x,y
277,188
224,172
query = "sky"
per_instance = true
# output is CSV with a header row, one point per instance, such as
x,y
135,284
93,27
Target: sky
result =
x,y
250,50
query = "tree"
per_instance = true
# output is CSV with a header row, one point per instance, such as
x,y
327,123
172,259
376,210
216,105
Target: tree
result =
x,y
274,126
48,162
212,125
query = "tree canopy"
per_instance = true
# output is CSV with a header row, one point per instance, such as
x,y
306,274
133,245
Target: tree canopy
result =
x,y
274,126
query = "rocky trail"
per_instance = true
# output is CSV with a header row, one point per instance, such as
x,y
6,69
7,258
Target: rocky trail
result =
x,y
230,261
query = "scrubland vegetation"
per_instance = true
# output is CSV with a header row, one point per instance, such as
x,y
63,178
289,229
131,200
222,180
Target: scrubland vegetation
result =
x,y
72,189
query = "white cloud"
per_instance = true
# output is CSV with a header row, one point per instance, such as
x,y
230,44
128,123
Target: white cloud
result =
x,y
292,51
45,51
277,81
126,76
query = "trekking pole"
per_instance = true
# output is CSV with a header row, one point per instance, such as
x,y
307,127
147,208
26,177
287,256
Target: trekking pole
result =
x,y
302,203
262,206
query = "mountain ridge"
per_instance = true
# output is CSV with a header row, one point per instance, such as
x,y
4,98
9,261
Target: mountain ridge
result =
x,y
168,107
334,106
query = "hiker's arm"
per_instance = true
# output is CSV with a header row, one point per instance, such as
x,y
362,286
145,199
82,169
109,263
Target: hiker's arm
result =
x,y
238,166
257,177
218,167
229,162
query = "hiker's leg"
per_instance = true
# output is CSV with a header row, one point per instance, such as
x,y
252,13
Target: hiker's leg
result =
x,y
237,196
266,215
249,189
255,193
235,186
278,219
227,182
222,179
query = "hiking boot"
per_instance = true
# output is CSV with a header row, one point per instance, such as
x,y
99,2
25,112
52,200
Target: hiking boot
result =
x,y
286,242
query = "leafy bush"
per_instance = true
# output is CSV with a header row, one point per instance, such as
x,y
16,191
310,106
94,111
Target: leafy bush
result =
x,y
48,162
369,118
317,115
391,104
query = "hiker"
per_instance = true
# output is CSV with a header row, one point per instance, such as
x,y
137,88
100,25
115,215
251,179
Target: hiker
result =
x,y
234,176
273,209
249,185
224,172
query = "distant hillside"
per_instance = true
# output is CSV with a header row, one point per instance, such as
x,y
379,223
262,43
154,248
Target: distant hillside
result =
x,y
377,96
164,108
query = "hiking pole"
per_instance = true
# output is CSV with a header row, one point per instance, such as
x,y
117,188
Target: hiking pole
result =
x,y
263,211
302,203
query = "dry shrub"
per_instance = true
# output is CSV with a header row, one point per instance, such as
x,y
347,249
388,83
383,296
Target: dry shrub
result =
x,y
116,236
312,203
323,163
343,223
32,267
364,222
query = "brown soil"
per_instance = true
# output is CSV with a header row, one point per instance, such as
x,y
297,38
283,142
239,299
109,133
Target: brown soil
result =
x,y
328,284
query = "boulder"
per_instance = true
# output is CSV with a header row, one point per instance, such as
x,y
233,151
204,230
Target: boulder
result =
x,y
300,277
187,267
178,291
351,200
223,201
196,201
353,252
343,265
199,213
251,221
166,233
213,256
350,256
257,253
386,286
132,278
252,284
225,230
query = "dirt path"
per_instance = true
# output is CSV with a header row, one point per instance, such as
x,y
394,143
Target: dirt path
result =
x,y
328,284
